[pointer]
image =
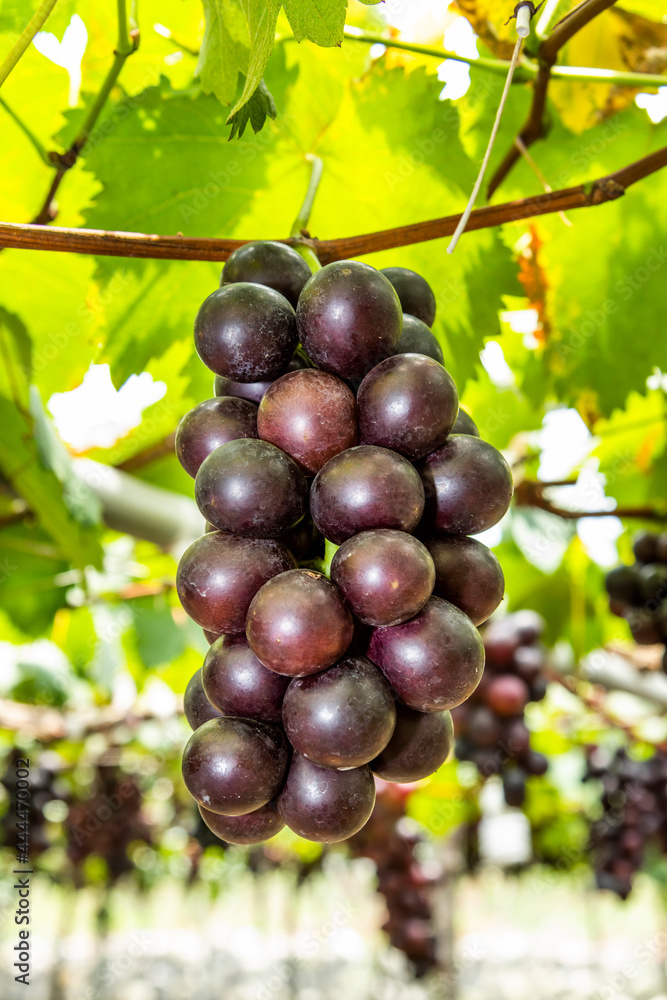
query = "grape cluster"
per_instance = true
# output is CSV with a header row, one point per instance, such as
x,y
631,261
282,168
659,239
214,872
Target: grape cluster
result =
x,y
634,803
402,880
43,789
638,593
329,427
490,727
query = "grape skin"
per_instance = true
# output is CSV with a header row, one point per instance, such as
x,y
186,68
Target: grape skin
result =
x,y
420,744
298,624
342,717
325,805
211,424
236,683
249,487
234,766
364,488
434,661
385,576
407,403
246,332
417,338
250,828
467,574
267,262
414,292
219,575
464,424
253,391
196,706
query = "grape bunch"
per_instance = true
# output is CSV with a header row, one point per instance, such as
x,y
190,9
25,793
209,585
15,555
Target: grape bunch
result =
x,y
638,593
634,803
335,431
18,828
402,880
490,727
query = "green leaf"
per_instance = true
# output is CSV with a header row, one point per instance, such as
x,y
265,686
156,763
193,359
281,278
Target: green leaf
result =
x,y
320,21
261,17
225,49
258,108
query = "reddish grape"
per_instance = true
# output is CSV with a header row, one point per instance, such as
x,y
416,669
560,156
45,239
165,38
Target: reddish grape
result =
x,y
468,486
249,487
349,318
415,293
311,415
233,766
434,661
421,743
219,575
253,391
342,717
483,727
210,424
298,624
196,706
417,338
408,403
325,805
236,682
507,694
266,262
366,487
529,662
246,332
385,576
467,574
250,828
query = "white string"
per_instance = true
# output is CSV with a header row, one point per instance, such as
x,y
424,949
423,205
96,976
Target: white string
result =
x,y
463,221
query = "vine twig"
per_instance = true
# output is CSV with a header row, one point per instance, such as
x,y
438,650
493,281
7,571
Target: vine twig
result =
x,y
28,133
35,24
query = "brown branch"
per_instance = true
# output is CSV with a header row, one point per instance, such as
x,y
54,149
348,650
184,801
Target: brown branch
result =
x,y
529,493
151,454
48,724
121,244
535,127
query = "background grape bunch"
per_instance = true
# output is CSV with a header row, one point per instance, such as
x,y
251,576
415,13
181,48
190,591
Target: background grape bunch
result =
x,y
638,592
336,581
490,727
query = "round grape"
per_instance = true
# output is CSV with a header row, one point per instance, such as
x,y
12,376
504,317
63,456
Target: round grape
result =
x,y
196,706
464,424
325,805
250,828
211,424
467,574
414,292
266,262
236,682
417,338
421,743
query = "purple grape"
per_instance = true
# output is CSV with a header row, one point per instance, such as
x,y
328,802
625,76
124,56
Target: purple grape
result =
x,y
414,292
266,262
421,743
246,332
234,766
365,488
253,391
417,338
468,486
385,576
219,575
196,706
342,717
249,487
250,828
349,318
325,805
467,574
299,625
311,415
464,424
434,661
236,682
408,403
211,424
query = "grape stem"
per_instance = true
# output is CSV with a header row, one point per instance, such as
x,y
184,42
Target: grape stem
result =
x,y
300,225
28,133
35,24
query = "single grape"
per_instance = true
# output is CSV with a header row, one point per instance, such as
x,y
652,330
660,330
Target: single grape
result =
x,y
325,805
507,694
342,717
536,763
645,547
236,682
517,738
363,488
249,487
233,766
464,424
311,415
514,786
408,403
211,424
467,574
421,743
250,828
501,641
483,727
299,625
385,576
219,575
653,583
529,625
196,706
349,318
467,484
417,338
434,661
623,585
529,662
246,332
266,262
414,292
